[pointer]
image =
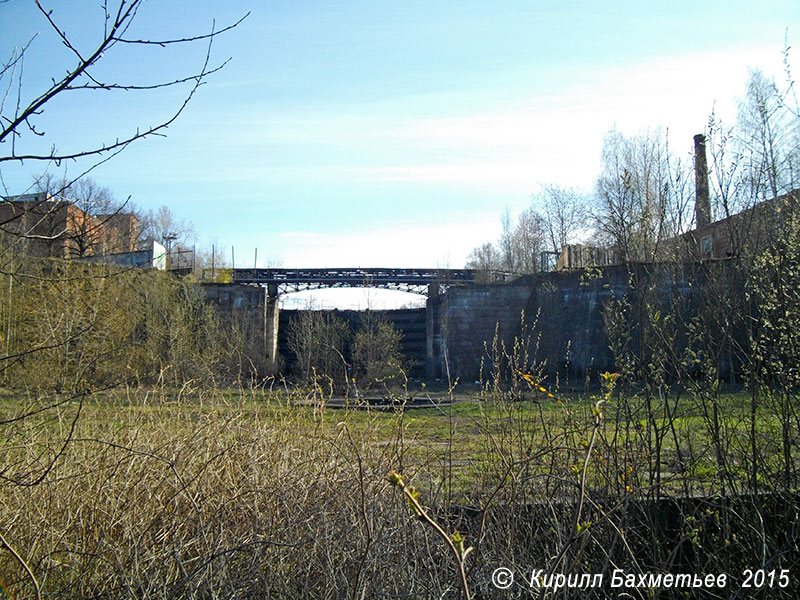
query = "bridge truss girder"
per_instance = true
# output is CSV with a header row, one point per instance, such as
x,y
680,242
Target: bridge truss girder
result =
x,y
418,281
290,288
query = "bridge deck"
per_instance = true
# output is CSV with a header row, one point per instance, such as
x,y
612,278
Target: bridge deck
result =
x,y
294,280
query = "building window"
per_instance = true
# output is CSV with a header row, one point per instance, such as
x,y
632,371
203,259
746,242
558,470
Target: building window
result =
x,y
706,246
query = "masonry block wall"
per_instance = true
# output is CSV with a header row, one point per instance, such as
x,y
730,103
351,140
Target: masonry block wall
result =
x,y
251,310
565,313
230,298
463,321
567,316
653,305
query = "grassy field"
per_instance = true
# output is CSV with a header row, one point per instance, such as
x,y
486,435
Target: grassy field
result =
x,y
463,435
197,493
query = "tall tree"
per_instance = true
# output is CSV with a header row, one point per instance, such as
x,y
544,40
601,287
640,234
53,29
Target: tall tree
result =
x,y
757,159
317,339
529,240
638,193
484,259
564,211
88,229
376,353
506,242
517,251
166,228
768,138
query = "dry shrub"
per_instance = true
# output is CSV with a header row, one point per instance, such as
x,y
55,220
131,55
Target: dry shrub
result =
x,y
70,326
156,498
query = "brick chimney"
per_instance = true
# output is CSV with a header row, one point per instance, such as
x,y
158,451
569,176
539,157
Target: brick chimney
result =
x,y
702,201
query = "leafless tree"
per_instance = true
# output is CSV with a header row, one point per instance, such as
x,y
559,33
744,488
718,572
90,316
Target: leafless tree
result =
x,y
640,196
318,338
484,258
564,211
529,239
506,242
376,354
26,141
755,160
517,250
163,226
768,138
94,226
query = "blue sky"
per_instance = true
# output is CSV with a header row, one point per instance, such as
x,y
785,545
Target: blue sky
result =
x,y
392,134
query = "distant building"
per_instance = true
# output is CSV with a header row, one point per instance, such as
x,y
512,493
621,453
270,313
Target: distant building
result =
x,y
41,224
120,232
578,256
151,256
748,231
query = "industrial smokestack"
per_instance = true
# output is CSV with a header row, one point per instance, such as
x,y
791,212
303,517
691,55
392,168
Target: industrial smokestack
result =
x,y
702,201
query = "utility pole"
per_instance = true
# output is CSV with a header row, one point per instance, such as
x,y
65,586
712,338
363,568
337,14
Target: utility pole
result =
x,y
168,239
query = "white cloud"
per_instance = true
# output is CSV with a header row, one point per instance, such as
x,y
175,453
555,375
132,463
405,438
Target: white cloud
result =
x,y
510,145
557,137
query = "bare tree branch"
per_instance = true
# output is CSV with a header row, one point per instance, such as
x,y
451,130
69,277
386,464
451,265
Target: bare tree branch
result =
x,y
116,23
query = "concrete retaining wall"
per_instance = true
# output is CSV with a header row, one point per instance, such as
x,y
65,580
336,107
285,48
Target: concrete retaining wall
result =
x,y
463,321
567,319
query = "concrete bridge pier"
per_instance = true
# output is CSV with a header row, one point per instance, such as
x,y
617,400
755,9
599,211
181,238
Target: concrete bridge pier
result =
x,y
433,335
271,320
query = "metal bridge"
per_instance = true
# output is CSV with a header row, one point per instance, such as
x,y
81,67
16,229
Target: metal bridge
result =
x,y
418,281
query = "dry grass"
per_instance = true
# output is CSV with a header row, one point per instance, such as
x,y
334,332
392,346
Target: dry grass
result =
x,y
203,494
175,499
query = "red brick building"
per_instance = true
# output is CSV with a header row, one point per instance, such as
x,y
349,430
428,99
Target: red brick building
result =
x,y
749,231
43,225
